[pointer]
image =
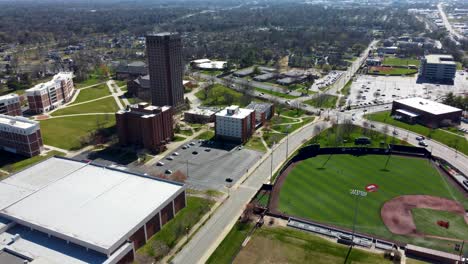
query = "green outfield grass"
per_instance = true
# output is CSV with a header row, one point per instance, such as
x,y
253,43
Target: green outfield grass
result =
x,y
105,105
391,71
426,222
92,93
319,189
400,61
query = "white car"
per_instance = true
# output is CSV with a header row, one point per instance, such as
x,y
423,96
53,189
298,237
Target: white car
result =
x,y
160,163
175,154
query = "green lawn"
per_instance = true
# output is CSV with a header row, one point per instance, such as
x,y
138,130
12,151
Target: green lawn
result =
x,y
105,105
255,143
286,245
278,94
289,128
175,229
207,135
220,95
272,137
393,61
186,132
347,88
13,163
212,73
92,80
177,138
292,112
342,136
66,132
230,245
331,177
92,93
120,82
439,135
426,222
323,101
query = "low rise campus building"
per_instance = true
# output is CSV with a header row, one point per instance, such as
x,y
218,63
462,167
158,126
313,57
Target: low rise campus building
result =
x,y
199,116
20,135
438,68
263,112
47,96
235,124
131,70
207,64
10,104
145,125
67,211
425,112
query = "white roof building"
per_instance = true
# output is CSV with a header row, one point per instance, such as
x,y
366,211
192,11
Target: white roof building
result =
x,y
18,125
43,88
9,99
89,206
428,106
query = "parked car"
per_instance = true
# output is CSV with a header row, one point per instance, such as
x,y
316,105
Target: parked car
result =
x,y
170,158
160,163
175,154
395,132
168,172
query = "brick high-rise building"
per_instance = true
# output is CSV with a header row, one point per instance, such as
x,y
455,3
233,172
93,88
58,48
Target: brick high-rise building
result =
x,y
20,135
47,96
145,125
10,104
166,69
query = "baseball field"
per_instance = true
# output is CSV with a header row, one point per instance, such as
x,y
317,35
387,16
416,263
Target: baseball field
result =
x,y
319,189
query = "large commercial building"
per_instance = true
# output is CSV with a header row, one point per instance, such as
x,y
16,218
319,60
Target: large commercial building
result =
x,y
425,112
20,135
67,211
47,96
263,112
235,124
10,104
166,69
438,68
145,125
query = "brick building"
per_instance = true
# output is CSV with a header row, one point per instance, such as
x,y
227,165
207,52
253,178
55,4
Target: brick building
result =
x,y
425,112
20,135
67,211
145,125
166,69
199,116
263,112
235,124
10,104
47,96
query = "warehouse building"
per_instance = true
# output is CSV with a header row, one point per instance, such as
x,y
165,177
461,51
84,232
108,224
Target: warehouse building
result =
x,y
67,211
10,104
49,95
425,112
263,112
20,135
235,124
438,68
145,125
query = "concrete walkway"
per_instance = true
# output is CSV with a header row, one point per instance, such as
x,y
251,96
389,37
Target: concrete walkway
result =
x,y
115,93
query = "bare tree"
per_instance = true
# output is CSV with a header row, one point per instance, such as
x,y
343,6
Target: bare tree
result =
x,y
347,128
248,214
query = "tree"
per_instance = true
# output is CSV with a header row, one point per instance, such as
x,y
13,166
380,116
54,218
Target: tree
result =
x,y
248,213
347,128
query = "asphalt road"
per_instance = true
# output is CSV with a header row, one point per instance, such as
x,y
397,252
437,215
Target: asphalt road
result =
x,y
454,35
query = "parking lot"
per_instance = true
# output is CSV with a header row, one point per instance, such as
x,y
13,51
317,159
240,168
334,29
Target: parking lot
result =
x,y
209,164
327,80
367,89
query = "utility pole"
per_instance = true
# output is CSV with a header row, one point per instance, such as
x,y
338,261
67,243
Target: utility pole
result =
x,y
187,169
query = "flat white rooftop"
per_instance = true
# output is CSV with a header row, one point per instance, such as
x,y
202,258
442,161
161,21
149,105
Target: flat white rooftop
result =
x,y
428,106
20,122
89,205
439,59
46,85
7,97
239,113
